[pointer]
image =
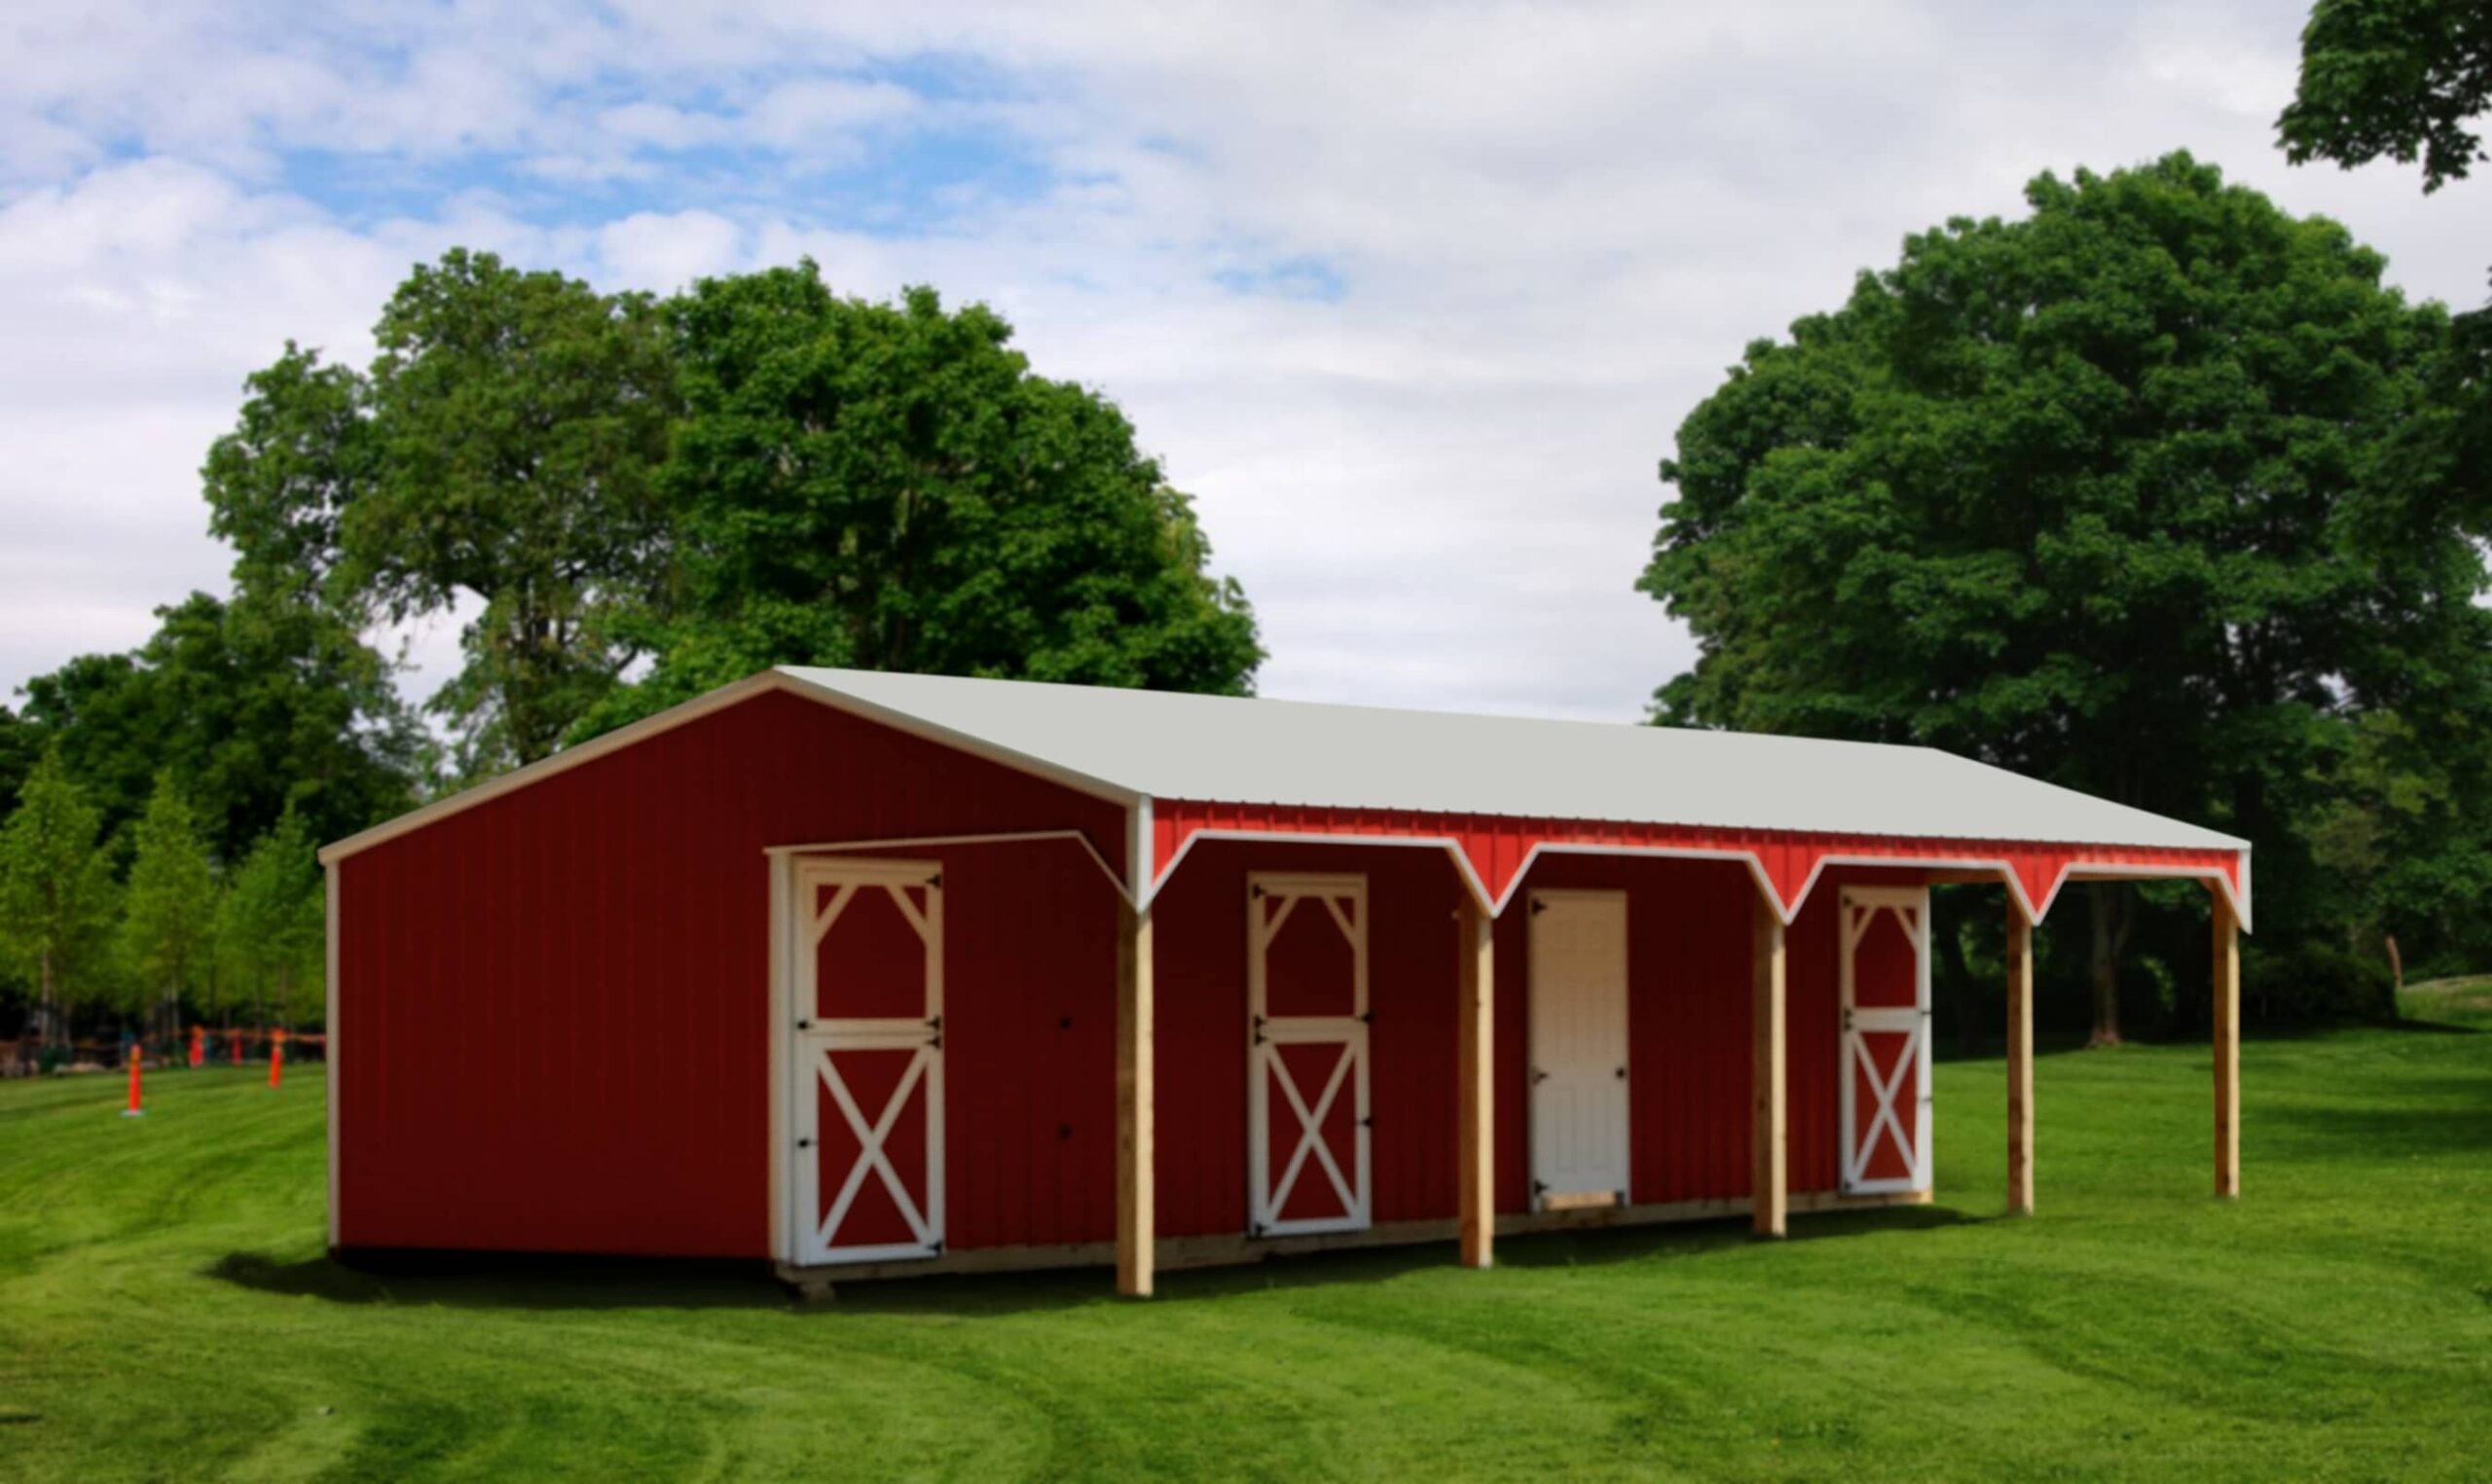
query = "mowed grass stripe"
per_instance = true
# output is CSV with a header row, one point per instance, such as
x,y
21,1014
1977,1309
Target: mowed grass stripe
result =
x,y
165,1311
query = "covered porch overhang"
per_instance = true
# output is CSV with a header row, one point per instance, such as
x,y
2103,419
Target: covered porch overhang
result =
x,y
1493,855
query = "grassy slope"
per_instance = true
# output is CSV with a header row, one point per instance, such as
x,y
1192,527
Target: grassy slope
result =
x,y
165,1310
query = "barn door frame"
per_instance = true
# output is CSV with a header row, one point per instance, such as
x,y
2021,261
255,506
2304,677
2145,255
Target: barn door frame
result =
x,y
1860,907
813,1043
1308,1108
1609,1072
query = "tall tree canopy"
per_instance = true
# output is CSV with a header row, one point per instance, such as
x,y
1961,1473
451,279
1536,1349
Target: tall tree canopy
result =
x,y
2399,78
888,486
756,472
2405,79
2109,494
56,894
168,916
253,706
502,449
269,924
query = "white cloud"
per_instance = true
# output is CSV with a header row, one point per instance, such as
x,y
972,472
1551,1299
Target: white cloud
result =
x,y
1551,227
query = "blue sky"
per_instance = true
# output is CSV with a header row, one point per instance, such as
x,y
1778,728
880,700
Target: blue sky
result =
x,y
1412,296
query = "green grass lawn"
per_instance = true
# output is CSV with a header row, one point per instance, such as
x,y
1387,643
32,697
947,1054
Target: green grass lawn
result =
x,y
165,1312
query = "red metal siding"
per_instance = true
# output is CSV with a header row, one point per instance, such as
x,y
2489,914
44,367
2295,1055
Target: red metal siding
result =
x,y
1200,967
553,1005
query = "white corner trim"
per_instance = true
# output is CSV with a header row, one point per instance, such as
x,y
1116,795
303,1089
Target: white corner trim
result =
x,y
783,1226
1138,872
329,1035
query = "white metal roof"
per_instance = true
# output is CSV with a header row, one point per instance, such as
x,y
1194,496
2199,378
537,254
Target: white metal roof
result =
x,y
1225,749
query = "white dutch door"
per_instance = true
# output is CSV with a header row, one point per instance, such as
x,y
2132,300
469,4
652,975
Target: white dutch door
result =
x,y
1884,1087
1579,1067
1306,1109
867,1068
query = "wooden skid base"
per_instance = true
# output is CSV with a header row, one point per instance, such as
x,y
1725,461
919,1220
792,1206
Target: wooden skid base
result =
x,y
1175,1254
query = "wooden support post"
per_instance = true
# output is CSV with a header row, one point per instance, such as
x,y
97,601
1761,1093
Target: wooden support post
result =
x,y
1136,1228
2020,1061
1769,1194
1476,1094
2227,1047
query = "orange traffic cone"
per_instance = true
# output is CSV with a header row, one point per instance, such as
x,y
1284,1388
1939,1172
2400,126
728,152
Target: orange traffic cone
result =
x,y
135,1111
277,1057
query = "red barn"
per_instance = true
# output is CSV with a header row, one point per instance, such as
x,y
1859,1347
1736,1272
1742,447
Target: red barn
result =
x,y
870,973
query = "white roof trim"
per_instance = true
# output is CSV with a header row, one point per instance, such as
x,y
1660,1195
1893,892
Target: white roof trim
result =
x,y
1126,747
693,710
561,762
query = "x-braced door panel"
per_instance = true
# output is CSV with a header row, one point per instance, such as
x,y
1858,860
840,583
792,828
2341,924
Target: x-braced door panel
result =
x,y
1885,1089
1307,1086
868,1059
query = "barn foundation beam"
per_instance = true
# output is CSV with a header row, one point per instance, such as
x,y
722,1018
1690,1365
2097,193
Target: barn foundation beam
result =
x,y
1476,1115
2020,1061
1136,1226
2228,1046
1769,1198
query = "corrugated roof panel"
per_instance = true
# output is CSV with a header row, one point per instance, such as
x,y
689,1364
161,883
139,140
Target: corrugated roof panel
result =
x,y
1257,752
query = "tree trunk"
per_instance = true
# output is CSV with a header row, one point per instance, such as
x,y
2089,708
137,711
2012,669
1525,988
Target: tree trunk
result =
x,y
2113,911
1964,993
2395,962
47,1009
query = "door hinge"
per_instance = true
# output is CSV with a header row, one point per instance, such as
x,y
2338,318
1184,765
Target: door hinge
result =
x,y
804,1025
1259,1030
1538,1077
1622,1074
804,1143
1538,906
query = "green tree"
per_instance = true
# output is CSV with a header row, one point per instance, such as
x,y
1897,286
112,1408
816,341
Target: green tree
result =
x,y
2404,79
270,925
169,913
20,744
2109,494
56,894
888,486
2399,78
254,705
303,450
522,418
502,449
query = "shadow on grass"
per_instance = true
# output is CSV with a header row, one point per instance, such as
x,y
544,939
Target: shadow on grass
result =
x,y
2371,1120
508,1281
542,1281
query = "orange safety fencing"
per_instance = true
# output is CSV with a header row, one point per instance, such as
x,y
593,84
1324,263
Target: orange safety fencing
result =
x,y
199,1046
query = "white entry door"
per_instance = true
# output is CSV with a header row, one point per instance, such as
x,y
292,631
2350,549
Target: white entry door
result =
x,y
1306,1111
1884,1087
867,1099
1578,994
